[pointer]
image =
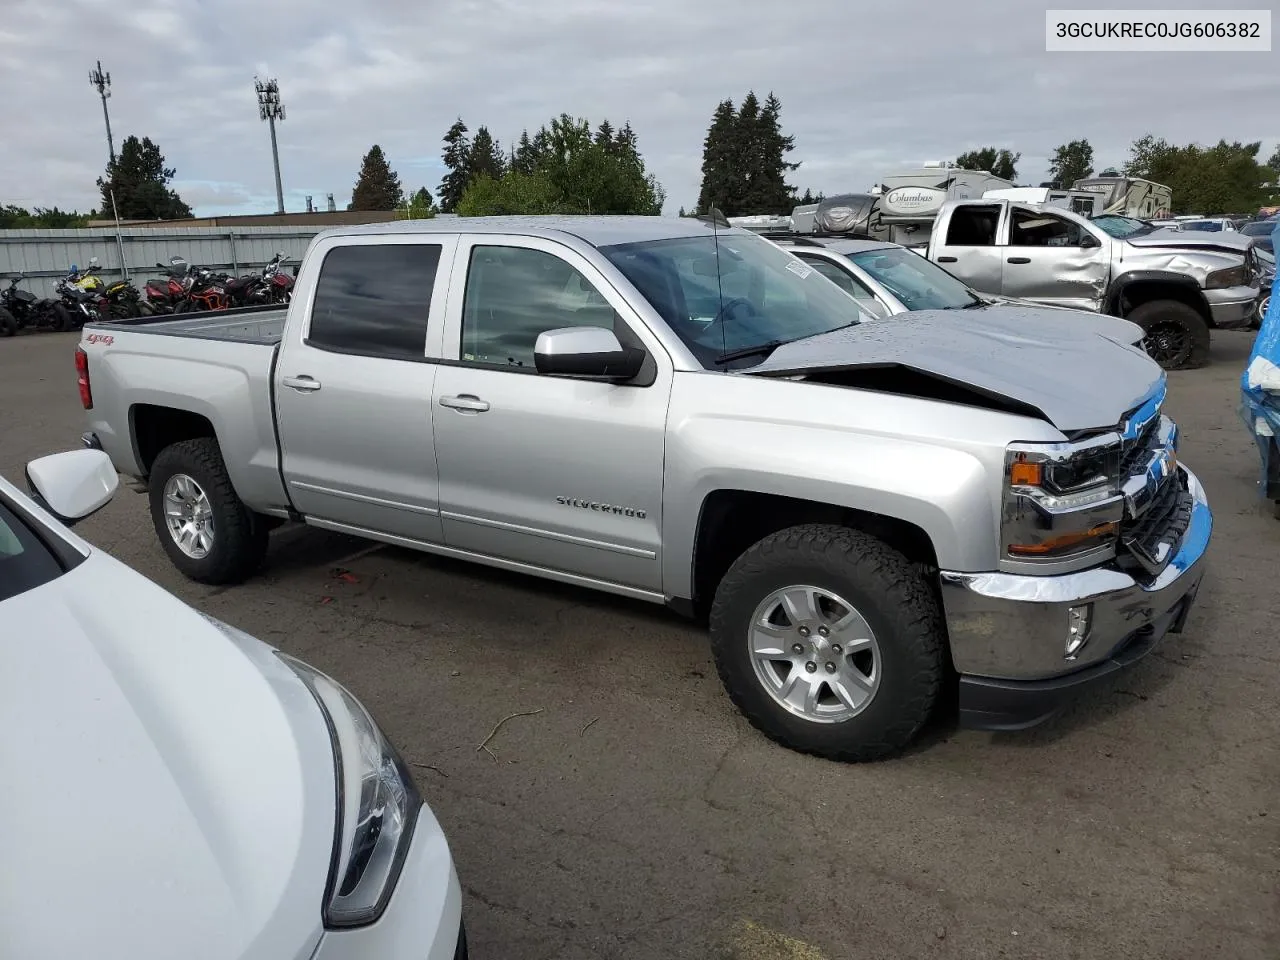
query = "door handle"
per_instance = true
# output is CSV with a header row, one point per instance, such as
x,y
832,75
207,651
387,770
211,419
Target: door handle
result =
x,y
1019,260
946,259
303,383
465,402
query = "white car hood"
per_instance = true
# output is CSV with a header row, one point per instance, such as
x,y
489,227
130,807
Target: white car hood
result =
x,y
168,792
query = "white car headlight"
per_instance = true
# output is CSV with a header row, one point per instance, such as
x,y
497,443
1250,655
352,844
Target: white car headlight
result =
x,y
378,805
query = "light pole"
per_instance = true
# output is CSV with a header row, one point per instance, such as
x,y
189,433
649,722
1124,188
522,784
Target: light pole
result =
x,y
271,109
102,81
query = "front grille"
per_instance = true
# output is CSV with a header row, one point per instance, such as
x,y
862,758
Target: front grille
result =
x,y
1151,537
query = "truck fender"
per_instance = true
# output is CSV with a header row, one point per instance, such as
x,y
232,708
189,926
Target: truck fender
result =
x,y
1187,285
945,492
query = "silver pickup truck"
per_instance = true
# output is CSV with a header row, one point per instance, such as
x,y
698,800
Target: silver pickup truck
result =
x,y
1176,285
657,408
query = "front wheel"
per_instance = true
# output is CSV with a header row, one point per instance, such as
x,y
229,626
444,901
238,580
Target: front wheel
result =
x,y
8,324
204,527
1177,337
830,642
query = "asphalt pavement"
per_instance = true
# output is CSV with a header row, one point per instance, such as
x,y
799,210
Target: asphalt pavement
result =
x,y
629,812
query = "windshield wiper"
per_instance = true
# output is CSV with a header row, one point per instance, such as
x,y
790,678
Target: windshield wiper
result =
x,y
760,349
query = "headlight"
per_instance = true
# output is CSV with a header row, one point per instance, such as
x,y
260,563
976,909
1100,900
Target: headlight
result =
x,y
1062,501
1230,277
378,805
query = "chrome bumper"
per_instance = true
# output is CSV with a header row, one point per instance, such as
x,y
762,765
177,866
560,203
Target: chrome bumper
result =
x,y
1232,307
1008,627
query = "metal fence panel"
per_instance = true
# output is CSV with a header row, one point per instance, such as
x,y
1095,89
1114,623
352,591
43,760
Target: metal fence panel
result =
x,y
46,255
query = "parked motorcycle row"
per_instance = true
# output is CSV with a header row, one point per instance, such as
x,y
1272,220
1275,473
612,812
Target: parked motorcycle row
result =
x,y
85,297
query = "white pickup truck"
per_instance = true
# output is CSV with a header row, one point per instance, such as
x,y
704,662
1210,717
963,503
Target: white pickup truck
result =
x,y
690,416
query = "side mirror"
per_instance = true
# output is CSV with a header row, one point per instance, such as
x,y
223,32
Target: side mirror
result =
x,y
1089,241
74,484
586,352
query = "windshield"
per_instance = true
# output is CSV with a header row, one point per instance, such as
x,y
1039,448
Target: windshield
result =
x,y
751,294
1121,227
25,562
918,283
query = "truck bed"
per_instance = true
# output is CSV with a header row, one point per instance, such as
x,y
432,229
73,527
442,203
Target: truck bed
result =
x,y
261,325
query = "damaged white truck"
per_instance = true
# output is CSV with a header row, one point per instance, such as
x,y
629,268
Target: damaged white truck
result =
x,y
690,416
1176,285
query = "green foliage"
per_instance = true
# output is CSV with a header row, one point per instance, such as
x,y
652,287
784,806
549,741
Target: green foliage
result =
x,y
744,165
485,157
810,197
140,181
565,168
999,162
377,186
1071,162
457,161
1274,162
418,207
1224,178
42,218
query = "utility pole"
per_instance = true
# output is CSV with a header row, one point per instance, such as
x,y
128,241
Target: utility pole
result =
x,y
102,81
271,109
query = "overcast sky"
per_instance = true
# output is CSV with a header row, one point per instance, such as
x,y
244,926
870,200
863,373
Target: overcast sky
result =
x,y
865,87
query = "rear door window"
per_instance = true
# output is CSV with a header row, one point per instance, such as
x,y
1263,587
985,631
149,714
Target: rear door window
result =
x,y
973,226
373,300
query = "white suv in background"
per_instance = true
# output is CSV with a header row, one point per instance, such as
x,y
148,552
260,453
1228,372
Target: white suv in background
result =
x,y
175,788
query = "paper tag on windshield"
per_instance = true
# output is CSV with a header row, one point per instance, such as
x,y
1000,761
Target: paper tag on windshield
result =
x,y
799,269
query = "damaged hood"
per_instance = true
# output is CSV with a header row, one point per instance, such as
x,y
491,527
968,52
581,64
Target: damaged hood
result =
x,y
1078,378
1225,241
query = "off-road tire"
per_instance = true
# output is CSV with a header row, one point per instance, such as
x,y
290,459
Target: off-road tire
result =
x,y
1150,316
892,594
8,323
240,535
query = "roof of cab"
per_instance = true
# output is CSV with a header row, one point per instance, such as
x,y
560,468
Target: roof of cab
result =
x,y
600,231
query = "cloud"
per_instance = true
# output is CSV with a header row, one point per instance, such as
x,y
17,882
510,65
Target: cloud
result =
x,y
865,87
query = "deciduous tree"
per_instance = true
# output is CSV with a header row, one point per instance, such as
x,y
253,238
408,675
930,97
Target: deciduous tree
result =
x,y
1071,162
999,162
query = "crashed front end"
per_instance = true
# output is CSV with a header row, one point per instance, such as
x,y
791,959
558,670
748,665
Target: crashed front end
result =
x,y
1132,525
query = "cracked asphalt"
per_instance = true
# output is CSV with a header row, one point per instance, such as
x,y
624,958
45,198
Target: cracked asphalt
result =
x,y
636,815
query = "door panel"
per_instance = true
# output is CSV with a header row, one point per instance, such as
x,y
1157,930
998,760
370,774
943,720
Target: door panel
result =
x,y
560,473
1044,260
353,390
968,251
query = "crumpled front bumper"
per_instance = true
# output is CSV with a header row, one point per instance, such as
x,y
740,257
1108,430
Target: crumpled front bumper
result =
x,y
1232,307
1008,632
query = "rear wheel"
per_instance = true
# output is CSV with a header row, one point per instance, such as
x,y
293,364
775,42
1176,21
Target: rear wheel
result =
x,y
830,642
204,527
8,325
1177,337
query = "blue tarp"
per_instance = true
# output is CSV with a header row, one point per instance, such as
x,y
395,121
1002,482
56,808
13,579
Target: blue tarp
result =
x,y
1260,387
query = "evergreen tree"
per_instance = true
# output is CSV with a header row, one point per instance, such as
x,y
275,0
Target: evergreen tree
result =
x,y
625,142
140,181
524,159
485,158
768,190
457,161
377,187
719,160
605,135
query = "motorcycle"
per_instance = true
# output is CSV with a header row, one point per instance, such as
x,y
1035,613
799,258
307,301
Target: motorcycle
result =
x,y
22,308
208,291
270,285
118,300
165,294
79,292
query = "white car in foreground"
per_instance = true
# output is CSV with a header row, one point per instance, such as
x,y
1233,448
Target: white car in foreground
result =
x,y
176,788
